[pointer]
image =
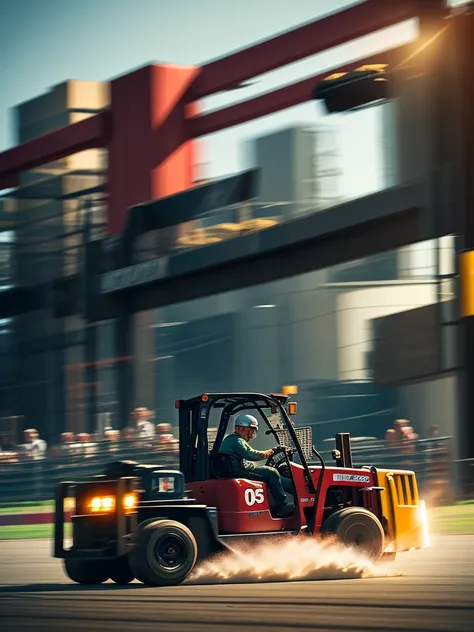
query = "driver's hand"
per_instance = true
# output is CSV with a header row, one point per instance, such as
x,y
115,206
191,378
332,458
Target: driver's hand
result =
x,y
268,453
287,449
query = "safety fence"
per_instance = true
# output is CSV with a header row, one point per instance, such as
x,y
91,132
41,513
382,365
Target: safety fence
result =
x,y
34,481
430,459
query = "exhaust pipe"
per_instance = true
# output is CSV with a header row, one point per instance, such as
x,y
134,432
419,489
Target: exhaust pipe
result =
x,y
343,454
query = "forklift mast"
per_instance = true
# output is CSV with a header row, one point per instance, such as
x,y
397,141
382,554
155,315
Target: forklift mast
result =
x,y
193,442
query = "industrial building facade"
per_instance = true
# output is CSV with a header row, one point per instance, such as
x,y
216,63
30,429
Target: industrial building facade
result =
x,y
319,330
316,330
45,218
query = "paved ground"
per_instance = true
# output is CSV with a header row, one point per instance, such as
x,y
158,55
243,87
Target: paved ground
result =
x,y
435,591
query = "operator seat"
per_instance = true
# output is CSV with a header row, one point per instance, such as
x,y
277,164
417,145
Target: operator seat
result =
x,y
224,466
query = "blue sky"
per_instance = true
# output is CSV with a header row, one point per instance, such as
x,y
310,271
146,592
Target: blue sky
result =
x,y
45,42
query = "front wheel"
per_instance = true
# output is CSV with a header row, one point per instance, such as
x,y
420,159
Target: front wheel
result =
x,y
91,572
357,528
165,553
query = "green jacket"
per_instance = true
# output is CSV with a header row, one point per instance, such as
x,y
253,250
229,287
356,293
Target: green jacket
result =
x,y
236,445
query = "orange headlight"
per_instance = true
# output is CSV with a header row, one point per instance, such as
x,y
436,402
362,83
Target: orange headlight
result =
x,y
130,502
101,504
106,504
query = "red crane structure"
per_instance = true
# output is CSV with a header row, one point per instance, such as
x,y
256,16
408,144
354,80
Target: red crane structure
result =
x,y
153,118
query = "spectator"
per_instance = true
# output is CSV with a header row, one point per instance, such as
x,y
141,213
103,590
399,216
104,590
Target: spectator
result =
x,y
8,457
164,428
438,475
166,441
129,433
408,438
66,446
400,443
398,426
34,447
143,429
112,437
85,446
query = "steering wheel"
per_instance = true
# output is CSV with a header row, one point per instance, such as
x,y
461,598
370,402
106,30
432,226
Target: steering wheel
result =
x,y
279,462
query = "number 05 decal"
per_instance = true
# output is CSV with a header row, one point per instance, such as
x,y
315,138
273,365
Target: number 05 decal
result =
x,y
253,496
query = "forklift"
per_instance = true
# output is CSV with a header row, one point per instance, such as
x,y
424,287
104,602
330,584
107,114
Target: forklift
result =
x,y
154,524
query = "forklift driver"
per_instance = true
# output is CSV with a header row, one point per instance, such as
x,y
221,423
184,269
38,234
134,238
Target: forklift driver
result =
x,y
236,444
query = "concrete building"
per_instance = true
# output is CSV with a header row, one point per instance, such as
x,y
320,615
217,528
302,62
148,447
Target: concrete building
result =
x,y
292,183
432,401
306,161
6,334
47,242
314,330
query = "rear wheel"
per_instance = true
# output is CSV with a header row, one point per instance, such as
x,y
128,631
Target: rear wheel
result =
x,y
120,571
91,572
357,528
165,553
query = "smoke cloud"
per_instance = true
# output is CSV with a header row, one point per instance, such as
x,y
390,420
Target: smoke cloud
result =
x,y
287,559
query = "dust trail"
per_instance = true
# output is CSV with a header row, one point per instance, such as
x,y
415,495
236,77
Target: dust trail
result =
x,y
295,558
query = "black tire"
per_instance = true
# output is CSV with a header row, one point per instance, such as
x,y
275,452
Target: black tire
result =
x,y
165,553
357,528
120,571
90,572
134,559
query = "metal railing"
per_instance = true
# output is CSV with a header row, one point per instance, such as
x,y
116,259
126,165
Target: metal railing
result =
x,y
430,459
35,480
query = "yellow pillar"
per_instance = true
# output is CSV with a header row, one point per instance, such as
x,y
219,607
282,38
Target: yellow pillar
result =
x,y
466,277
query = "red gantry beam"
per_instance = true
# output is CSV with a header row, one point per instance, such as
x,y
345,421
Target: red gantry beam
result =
x,y
223,74
271,102
335,29
90,133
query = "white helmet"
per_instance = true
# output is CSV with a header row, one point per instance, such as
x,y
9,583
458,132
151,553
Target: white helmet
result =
x,y
246,421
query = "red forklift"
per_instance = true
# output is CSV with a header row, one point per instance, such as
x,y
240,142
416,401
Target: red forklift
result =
x,y
153,524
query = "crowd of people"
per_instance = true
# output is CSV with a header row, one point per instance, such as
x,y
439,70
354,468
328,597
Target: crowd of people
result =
x,y
140,434
401,448
402,438
401,441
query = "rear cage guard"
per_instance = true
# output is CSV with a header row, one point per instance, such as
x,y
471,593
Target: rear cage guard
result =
x,y
124,485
